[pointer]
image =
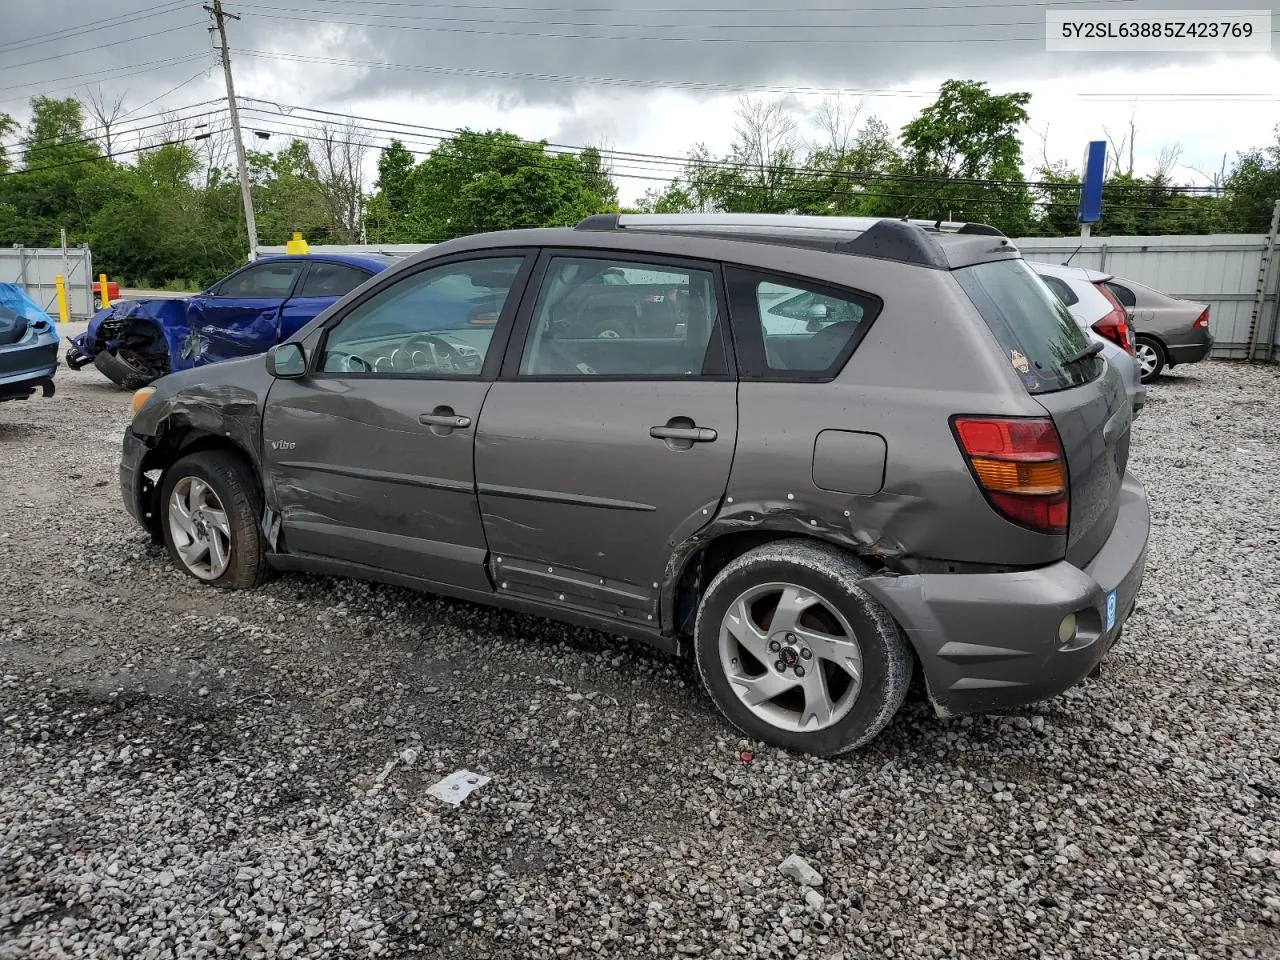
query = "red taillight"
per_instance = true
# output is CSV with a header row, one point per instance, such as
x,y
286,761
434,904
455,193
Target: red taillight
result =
x,y
1115,325
1202,321
1020,467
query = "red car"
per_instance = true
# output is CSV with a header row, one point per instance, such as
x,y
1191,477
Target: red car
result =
x,y
113,289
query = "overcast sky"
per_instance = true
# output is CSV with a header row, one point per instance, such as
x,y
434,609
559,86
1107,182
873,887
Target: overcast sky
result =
x,y
539,68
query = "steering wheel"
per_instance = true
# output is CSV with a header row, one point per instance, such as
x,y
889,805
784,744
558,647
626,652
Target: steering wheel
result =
x,y
445,356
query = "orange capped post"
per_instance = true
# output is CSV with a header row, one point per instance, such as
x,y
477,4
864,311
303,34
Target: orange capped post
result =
x,y
106,294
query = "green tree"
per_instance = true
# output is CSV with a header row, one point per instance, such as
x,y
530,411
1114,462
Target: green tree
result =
x,y
58,160
970,136
391,207
1252,189
8,126
475,182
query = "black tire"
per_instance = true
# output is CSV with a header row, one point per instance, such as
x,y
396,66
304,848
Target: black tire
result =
x,y
127,373
231,478
832,574
1159,357
617,325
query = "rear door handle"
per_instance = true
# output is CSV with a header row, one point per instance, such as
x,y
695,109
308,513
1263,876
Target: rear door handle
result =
x,y
691,434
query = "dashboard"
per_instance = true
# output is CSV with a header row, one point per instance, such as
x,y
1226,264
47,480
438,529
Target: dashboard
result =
x,y
440,353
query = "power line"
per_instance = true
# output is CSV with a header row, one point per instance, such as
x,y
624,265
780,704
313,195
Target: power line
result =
x,y
191,79
149,65
562,78
734,10
400,128
682,25
97,48
790,190
122,153
697,85
89,137
642,38
67,33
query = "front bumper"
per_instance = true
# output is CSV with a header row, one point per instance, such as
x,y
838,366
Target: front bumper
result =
x,y
990,641
136,489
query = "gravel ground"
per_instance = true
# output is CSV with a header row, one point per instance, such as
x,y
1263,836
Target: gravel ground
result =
x,y
186,773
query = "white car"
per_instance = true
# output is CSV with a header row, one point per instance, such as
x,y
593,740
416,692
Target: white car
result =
x,y
1102,316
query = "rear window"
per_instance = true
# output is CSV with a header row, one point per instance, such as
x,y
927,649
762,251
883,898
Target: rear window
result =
x,y
1032,326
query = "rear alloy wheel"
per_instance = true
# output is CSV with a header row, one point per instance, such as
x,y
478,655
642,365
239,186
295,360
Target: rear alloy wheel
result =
x,y
794,653
209,516
1149,355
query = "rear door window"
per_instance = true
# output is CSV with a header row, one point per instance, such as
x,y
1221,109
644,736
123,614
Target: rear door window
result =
x,y
598,317
791,329
1036,333
331,280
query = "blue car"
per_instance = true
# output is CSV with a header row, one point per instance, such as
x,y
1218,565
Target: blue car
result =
x,y
28,346
133,342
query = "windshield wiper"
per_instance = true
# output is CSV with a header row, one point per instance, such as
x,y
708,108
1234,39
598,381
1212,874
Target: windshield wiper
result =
x,y
1092,350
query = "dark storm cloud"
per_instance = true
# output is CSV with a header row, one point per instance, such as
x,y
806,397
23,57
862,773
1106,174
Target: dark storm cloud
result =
x,y
859,44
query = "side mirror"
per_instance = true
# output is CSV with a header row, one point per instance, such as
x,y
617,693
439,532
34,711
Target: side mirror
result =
x,y
286,361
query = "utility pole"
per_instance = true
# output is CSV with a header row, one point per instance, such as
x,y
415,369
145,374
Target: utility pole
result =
x,y
220,17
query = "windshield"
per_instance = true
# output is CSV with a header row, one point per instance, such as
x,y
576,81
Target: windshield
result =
x,y
1033,328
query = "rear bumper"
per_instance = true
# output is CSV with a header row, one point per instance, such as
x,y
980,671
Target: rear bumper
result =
x,y
1188,352
27,366
990,641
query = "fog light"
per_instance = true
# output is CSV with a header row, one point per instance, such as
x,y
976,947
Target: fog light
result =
x,y
140,397
1067,629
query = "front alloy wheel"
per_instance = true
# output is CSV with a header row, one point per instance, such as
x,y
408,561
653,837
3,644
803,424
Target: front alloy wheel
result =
x,y
210,507
199,528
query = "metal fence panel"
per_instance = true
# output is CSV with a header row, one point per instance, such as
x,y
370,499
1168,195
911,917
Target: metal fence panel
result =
x,y
34,269
1220,270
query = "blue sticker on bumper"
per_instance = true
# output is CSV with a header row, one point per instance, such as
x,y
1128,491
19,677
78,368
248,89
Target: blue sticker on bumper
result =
x,y
1111,609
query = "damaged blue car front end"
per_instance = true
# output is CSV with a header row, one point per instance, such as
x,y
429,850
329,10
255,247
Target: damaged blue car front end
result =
x,y
28,346
149,335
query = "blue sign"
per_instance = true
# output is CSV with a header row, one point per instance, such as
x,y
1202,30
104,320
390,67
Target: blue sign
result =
x,y
1095,168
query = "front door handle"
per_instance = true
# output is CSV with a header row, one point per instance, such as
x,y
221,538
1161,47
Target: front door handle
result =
x,y
444,420
691,434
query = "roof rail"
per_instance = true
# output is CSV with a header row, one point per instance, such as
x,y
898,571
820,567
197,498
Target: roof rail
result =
x,y
906,241
766,223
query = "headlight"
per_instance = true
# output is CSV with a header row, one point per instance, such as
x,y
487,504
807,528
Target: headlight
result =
x,y
140,398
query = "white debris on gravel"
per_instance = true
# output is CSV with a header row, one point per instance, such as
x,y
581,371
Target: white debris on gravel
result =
x,y
190,773
798,869
457,786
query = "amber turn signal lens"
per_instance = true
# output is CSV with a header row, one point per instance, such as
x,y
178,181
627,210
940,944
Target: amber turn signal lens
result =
x,y
1032,479
140,398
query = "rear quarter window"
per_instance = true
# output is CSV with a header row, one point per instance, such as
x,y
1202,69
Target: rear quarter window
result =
x,y
1035,331
788,328
1061,290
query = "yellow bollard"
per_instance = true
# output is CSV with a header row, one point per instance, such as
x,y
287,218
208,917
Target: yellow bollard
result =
x,y
296,244
64,316
106,294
